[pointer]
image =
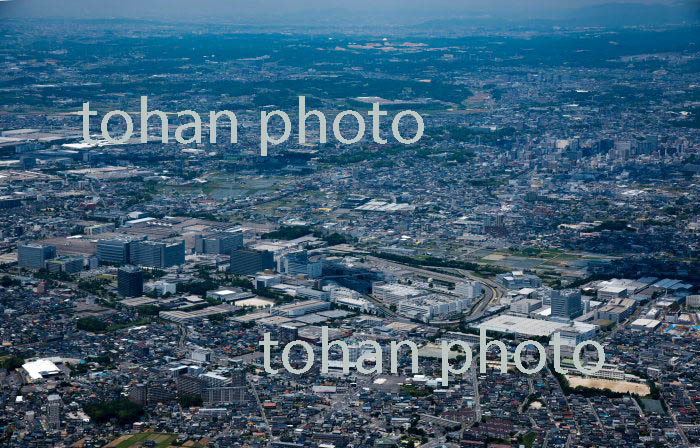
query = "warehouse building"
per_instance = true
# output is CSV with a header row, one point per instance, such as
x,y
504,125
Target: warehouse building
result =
x,y
301,308
523,326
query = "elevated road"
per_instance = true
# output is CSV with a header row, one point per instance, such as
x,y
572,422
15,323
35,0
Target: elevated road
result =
x,y
492,290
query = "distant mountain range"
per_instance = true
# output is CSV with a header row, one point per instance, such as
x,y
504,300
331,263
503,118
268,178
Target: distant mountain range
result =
x,y
606,15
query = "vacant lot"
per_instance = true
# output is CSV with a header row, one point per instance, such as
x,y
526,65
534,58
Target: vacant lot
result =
x,y
624,387
162,440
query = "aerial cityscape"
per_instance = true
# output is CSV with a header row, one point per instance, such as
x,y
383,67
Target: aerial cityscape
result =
x,y
554,192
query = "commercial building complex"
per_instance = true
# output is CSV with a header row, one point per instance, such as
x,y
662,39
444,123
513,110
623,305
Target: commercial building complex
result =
x,y
115,250
518,280
218,243
157,254
566,304
431,306
34,256
65,263
249,262
393,293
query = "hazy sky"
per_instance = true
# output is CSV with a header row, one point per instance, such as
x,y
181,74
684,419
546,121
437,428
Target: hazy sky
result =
x,y
260,10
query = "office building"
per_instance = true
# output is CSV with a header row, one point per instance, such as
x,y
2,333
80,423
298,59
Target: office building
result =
x,y
519,280
310,293
395,293
573,335
160,287
525,306
218,243
158,254
114,251
693,301
297,263
248,262
469,290
35,256
67,264
267,280
130,281
428,307
617,310
9,202
201,355
566,304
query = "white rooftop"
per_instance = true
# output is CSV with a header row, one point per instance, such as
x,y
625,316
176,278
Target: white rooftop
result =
x,y
646,323
39,368
223,292
522,325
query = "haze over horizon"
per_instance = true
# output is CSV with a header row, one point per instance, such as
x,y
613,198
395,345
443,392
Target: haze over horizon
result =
x,y
336,11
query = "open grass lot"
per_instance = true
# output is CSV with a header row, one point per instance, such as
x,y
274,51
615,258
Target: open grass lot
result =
x,y
224,185
552,259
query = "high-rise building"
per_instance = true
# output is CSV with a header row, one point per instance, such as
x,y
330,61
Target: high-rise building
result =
x,y
190,385
213,379
605,145
158,254
113,251
218,243
693,301
623,149
35,256
298,263
53,411
525,306
649,145
130,281
248,262
468,289
224,395
237,377
138,393
287,333
200,354
160,393
566,304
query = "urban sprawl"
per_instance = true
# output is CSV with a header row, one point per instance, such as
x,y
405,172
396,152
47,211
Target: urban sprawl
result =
x,y
554,195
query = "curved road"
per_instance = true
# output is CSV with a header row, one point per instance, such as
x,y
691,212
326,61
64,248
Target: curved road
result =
x,y
492,291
